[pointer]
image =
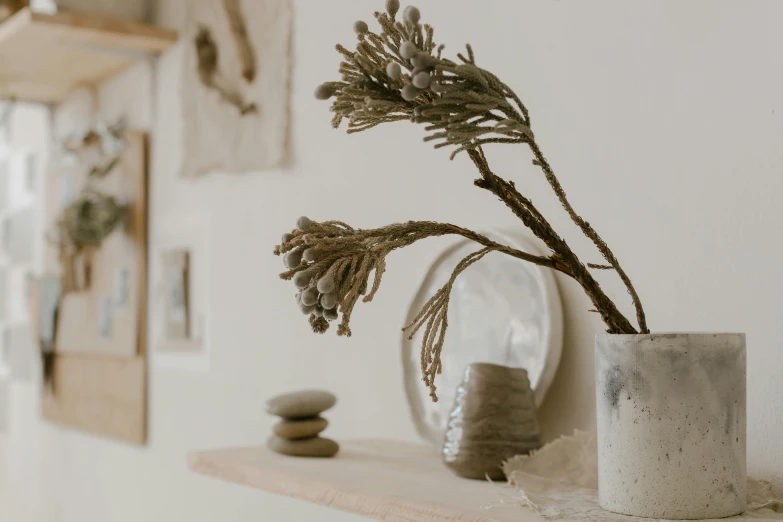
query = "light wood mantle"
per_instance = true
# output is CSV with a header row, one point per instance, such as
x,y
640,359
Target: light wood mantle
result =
x,y
43,57
380,479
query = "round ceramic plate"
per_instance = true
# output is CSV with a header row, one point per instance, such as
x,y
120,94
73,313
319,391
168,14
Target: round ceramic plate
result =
x,y
503,310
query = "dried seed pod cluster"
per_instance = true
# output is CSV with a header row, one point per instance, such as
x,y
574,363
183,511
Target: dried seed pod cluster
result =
x,y
400,74
316,284
329,263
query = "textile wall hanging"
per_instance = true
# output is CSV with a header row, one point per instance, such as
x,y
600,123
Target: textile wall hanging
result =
x,y
235,88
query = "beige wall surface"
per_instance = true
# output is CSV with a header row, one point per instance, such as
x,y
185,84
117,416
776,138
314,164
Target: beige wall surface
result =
x,y
664,121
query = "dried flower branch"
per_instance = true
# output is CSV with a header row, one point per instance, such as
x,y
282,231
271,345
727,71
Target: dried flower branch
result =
x,y
435,315
400,74
101,147
331,263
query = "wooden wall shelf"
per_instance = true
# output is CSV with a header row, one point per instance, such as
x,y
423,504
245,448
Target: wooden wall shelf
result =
x,y
379,479
43,57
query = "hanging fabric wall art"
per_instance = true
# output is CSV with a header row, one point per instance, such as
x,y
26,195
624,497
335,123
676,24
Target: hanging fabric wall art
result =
x,y
235,88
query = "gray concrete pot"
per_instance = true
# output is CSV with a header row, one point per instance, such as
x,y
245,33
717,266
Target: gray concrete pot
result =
x,y
671,424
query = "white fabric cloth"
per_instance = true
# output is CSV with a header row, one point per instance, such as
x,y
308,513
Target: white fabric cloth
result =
x,y
560,482
214,135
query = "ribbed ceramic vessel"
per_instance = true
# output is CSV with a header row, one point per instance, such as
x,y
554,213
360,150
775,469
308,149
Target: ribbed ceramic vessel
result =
x,y
493,419
671,424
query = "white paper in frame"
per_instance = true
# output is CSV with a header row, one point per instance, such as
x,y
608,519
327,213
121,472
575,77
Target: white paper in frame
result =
x,y
176,235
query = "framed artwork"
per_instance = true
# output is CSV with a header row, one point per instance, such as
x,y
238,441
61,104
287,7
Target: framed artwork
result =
x,y
94,339
182,302
176,283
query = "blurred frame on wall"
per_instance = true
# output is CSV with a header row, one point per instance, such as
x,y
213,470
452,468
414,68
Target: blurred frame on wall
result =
x,y
182,293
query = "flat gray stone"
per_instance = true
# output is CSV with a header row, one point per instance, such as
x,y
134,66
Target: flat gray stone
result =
x,y
306,403
312,447
300,429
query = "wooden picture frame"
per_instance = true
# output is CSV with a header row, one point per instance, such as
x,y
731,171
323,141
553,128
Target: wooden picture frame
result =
x,y
96,390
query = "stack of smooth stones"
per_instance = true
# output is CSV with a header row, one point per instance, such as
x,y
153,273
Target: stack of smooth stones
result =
x,y
297,434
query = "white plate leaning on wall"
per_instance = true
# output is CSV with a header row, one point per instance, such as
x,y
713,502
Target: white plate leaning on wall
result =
x,y
502,310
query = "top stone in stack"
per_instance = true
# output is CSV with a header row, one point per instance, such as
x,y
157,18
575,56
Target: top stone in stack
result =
x,y
300,404
297,433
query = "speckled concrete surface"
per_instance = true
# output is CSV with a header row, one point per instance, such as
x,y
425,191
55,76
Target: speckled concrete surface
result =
x,y
671,424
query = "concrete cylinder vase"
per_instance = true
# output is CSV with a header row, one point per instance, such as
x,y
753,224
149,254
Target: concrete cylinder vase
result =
x,y
671,424
493,419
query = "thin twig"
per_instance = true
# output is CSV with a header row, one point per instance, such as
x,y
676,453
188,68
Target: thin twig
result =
x,y
591,234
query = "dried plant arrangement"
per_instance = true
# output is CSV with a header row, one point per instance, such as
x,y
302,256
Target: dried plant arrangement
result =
x,y
101,147
81,228
400,74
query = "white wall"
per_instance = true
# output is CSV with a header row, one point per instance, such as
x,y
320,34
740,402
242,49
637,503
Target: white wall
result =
x,y
664,122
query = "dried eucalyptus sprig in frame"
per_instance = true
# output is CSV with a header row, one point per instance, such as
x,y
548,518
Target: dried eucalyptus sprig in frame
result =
x,y
401,74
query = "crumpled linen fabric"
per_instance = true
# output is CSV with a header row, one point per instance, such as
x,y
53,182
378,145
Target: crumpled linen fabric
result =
x,y
560,482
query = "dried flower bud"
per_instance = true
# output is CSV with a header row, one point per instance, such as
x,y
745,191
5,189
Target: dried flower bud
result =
x,y
361,27
310,296
302,279
436,86
287,237
409,92
418,110
328,301
422,80
412,14
324,91
392,6
293,259
310,255
393,70
307,309
303,223
422,60
319,312
326,284
408,50
330,314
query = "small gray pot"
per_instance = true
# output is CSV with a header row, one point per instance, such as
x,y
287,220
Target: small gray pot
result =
x,y
493,419
671,424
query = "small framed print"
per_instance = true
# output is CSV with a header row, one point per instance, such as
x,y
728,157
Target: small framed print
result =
x,y
182,290
105,312
177,294
121,289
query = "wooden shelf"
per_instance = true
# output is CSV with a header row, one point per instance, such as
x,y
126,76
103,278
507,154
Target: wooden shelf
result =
x,y
379,479
43,57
